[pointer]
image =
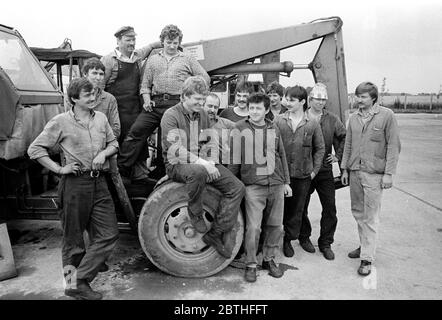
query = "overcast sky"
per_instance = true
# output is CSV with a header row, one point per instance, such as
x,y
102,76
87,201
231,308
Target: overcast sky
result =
x,y
399,40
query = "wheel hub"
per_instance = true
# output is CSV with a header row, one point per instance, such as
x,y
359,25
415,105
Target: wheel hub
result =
x,y
182,234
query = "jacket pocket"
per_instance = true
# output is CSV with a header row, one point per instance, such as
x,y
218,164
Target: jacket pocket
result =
x,y
377,134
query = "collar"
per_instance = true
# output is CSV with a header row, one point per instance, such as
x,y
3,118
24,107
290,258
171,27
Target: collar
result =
x,y
180,54
72,113
374,110
99,94
268,123
189,114
119,55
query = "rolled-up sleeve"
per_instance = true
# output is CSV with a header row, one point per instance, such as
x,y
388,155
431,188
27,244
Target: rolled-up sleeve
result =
x,y
48,138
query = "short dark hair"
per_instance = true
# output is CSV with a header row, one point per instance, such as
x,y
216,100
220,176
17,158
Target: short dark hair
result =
x,y
75,87
275,87
297,92
93,63
171,31
258,97
244,86
368,87
195,85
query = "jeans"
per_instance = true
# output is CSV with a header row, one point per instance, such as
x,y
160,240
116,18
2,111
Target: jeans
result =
x,y
324,185
365,195
86,204
294,207
264,207
134,145
195,177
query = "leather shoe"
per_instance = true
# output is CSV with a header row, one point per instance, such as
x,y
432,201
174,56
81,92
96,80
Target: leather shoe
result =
x,y
274,270
307,246
327,253
215,240
288,249
83,292
355,253
250,274
198,223
364,268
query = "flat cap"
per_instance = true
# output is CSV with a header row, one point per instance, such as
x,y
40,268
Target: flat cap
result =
x,y
125,31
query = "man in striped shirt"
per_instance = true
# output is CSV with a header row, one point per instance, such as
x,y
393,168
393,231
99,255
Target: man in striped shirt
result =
x,y
163,78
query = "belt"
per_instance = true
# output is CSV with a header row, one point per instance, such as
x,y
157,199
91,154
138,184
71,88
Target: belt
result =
x,y
92,173
166,96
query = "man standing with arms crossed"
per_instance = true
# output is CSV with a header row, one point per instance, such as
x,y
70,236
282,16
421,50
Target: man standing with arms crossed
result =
x,y
163,78
371,153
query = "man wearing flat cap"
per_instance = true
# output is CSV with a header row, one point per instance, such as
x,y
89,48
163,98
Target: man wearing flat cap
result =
x,y
122,76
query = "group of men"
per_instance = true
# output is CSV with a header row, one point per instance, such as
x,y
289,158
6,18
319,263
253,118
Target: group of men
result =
x,y
125,97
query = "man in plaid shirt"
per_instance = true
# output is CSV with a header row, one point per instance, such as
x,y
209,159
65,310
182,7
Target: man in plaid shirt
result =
x,y
163,78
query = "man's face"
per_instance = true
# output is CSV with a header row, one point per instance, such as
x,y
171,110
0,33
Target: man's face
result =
x,y
95,76
86,100
317,104
171,46
257,112
241,99
275,99
194,102
126,43
293,104
364,100
211,106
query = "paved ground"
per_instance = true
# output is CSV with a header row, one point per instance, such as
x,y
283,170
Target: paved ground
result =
x,y
408,265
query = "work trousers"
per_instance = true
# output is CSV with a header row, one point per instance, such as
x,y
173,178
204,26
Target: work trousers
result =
x,y
324,185
195,177
264,211
85,204
134,145
366,195
294,207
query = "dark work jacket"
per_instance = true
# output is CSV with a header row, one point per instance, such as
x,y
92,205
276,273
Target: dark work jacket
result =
x,y
304,147
267,167
333,132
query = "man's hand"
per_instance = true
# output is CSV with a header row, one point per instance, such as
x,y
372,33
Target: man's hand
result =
x,y
287,190
387,181
312,175
97,163
73,167
331,158
163,179
148,104
344,177
212,171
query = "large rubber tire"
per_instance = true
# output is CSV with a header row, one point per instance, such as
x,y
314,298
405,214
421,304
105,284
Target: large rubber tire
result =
x,y
163,219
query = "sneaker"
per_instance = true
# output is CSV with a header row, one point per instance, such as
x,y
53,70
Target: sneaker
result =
x,y
364,268
83,292
288,249
274,270
355,254
327,253
307,245
215,240
250,274
198,223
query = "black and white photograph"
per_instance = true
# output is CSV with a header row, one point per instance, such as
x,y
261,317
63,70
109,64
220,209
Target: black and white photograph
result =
x,y
220,151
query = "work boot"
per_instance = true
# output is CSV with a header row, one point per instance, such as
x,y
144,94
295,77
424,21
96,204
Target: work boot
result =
x,y
307,245
215,240
274,270
355,253
288,249
250,274
83,292
364,268
327,253
198,223
103,267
